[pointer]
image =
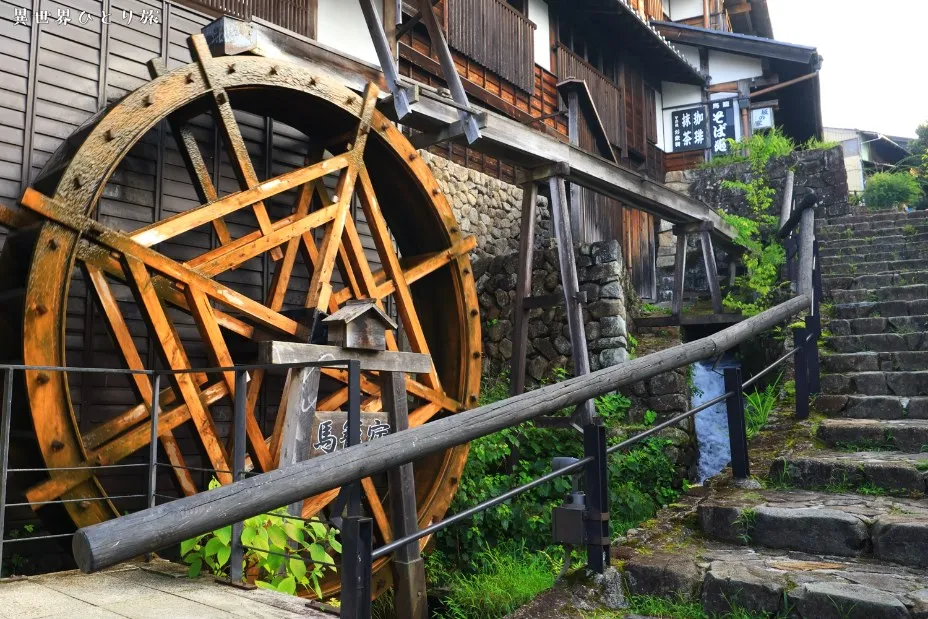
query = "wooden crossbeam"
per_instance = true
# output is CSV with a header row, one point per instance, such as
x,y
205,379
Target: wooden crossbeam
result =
x,y
174,357
118,450
165,229
192,158
119,331
232,135
122,244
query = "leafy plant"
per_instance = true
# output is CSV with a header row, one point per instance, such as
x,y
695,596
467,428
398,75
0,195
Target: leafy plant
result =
x,y
815,143
632,346
758,406
649,417
276,550
613,408
890,189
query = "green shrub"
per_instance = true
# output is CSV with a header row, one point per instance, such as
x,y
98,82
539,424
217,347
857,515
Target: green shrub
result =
x,y
887,190
758,406
759,146
641,481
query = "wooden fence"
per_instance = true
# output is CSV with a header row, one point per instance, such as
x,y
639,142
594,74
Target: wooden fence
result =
x,y
495,35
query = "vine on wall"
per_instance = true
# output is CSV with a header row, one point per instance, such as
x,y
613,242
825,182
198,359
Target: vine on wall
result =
x,y
764,255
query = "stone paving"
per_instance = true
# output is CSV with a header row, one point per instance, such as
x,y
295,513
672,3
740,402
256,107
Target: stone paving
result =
x,y
156,590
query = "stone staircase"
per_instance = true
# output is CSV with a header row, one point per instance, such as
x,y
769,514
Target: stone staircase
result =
x,y
840,528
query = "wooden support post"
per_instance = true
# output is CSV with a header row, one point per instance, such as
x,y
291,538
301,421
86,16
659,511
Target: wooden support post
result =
x,y
806,251
385,56
786,208
571,286
573,133
679,272
801,367
449,71
408,566
523,289
296,434
712,274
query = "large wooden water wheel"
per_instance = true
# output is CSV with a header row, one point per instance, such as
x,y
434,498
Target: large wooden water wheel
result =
x,y
355,162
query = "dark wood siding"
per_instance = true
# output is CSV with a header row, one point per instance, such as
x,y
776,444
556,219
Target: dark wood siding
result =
x,y
639,245
496,36
54,78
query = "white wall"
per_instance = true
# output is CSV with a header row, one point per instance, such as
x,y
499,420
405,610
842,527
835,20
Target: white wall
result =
x,y
659,104
538,13
724,67
674,95
342,27
684,9
691,54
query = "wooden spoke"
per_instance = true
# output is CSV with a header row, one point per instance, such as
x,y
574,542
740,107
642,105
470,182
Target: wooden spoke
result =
x,y
246,252
320,290
228,127
141,384
404,302
193,159
377,510
127,247
174,357
165,229
116,451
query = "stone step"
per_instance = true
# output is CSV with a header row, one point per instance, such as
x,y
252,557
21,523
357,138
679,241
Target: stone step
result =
x,y
875,361
904,384
872,229
907,253
880,309
869,268
912,292
878,280
728,578
871,472
879,342
833,247
872,217
908,435
849,525
899,325
872,406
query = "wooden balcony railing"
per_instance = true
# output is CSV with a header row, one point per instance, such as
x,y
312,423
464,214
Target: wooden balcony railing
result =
x,y
656,167
606,95
495,35
296,15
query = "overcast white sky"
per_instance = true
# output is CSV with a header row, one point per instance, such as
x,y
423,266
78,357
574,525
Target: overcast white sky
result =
x,y
873,73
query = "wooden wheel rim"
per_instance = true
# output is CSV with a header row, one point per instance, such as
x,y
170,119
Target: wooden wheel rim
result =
x,y
79,187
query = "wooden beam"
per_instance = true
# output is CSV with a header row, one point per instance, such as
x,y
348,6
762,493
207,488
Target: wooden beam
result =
x,y
679,274
523,289
106,544
371,360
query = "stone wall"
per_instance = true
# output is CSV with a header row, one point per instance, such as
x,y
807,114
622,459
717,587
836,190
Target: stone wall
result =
x,y
601,271
821,171
487,208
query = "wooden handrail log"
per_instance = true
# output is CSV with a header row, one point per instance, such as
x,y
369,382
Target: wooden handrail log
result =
x,y
109,543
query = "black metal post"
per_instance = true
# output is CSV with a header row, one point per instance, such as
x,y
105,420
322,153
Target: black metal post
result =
x,y
597,498
737,424
5,452
357,540
153,445
802,372
237,557
354,430
813,368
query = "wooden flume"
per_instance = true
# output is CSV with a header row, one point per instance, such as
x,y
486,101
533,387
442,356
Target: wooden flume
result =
x,y
426,274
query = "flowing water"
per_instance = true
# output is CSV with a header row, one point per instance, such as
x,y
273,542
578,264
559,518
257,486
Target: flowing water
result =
x,y
712,423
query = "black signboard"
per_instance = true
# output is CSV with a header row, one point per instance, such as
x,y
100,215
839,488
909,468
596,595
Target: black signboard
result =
x,y
690,131
722,125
